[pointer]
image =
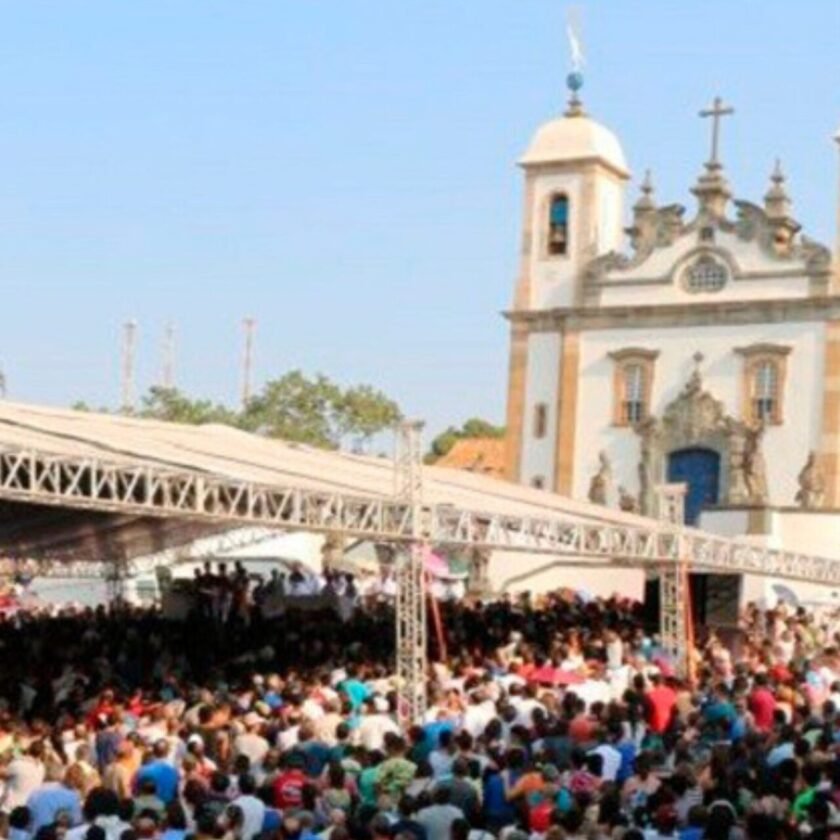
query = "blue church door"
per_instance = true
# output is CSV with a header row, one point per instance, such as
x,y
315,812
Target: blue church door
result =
x,y
700,469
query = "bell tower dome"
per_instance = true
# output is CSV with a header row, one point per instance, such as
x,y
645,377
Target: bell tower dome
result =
x,y
575,176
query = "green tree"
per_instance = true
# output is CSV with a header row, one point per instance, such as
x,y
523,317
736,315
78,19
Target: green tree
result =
x,y
161,403
295,407
319,412
475,427
364,412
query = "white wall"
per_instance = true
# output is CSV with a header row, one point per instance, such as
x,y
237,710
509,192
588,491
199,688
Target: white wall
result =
x,y
544,352
785,447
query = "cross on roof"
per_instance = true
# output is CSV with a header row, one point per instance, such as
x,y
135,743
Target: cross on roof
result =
x,y
717,111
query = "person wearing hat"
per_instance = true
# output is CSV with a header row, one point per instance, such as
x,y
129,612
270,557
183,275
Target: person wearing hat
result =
x,y
251,743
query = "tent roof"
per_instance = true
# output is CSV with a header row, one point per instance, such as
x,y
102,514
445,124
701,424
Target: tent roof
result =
x,y
225,451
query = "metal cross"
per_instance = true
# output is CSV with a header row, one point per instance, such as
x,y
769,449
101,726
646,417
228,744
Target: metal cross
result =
x,y
717,111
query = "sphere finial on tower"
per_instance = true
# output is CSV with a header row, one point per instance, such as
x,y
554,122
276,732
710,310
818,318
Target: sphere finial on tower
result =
x,y
574,80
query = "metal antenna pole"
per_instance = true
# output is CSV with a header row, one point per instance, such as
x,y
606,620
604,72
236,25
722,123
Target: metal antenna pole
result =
x,y
410,577
247,359
167,379
129,337
673,583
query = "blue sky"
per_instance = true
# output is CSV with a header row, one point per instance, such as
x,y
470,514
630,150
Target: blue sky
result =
x,y
343,170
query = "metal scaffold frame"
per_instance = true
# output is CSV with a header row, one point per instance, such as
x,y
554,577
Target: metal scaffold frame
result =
x,y
674,614
34,476
410,613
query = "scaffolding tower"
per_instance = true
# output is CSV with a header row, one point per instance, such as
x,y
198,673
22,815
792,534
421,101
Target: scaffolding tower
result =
x,y
674,592
410,578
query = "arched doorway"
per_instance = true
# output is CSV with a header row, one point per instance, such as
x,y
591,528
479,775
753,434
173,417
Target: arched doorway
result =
x,y
699,468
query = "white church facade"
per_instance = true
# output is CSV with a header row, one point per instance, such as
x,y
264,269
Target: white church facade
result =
x,y
699,347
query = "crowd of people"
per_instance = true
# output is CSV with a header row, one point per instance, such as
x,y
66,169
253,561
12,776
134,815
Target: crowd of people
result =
x,y
554,717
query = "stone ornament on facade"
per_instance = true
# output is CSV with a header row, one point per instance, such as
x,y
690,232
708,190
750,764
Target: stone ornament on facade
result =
x,y
627,501
478,577
599,486
811,493
696,418
332,551
771,228
705,274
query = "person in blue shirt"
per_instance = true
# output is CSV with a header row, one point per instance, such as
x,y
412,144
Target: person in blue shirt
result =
x,y
52,798
357,692
161,772
719,708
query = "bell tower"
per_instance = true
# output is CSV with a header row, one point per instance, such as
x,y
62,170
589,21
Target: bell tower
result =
x,y
575,177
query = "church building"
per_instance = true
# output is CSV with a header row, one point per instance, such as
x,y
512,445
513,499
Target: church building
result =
x,y
659,344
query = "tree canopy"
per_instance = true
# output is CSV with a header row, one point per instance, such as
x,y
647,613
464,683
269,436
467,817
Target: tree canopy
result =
x,y
312,410
319,412
475,427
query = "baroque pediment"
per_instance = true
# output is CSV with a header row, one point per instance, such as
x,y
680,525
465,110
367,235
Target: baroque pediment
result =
x,y
661,238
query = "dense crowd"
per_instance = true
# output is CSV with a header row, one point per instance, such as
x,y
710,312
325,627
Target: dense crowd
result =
x,y
555,718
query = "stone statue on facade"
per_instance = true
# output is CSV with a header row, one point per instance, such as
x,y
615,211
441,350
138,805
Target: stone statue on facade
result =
x,y
627,501
599,486
478,580
811,493
332,550
755,476
738,491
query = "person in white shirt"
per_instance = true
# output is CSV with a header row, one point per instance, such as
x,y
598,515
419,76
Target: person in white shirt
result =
x,y
252,807
374,725
22,776
610,756
478,714
250,743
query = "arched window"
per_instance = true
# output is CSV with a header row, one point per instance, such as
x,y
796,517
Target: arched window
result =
x,y
763,382
633,385
558,226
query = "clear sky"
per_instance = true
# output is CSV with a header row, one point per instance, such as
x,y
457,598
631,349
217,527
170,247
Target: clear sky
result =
x,y
343,171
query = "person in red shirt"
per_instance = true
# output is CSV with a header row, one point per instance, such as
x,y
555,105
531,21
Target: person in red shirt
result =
x,y
661,701
762,704
287,789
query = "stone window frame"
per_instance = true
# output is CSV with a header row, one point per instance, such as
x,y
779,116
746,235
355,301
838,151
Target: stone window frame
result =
x,y
546,235
754,356
540,429
623,359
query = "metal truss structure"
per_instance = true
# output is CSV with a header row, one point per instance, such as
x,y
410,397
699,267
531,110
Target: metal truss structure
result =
x,y
674,595
410,612
33,476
